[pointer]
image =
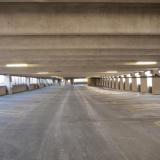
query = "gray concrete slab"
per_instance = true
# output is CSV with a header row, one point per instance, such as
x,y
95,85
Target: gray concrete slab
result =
x,y
80,123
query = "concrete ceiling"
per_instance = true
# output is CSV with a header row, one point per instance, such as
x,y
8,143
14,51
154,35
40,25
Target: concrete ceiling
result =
x,y
79,39
86,1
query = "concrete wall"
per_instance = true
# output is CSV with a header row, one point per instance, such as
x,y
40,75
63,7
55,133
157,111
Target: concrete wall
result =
x,y
41,85
3,90
127,85
92,81
134,85
32,86
144,88
19,88
156,85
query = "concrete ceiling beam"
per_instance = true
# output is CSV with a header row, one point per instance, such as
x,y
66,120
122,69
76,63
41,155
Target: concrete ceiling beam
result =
x,y
81,19
79,42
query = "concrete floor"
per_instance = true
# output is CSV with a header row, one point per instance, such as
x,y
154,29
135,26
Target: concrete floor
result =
x,y
80,123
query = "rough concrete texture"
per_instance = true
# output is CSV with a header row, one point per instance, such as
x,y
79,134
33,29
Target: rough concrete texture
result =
x,y
127,84
79,39
79,123
144,87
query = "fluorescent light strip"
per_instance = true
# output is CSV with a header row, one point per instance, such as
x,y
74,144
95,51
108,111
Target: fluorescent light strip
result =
x,y
112,72
42,73
146,63
17,65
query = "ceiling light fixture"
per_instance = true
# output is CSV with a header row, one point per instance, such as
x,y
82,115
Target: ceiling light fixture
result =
x,y
112,72
43,73
146,63
17,65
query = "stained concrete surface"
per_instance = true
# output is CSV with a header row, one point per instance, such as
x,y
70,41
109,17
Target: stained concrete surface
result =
x,y
79,123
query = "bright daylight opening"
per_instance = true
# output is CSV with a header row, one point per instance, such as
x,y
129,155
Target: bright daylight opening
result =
x,y
2,80
80,81
130,78
138,78
149,78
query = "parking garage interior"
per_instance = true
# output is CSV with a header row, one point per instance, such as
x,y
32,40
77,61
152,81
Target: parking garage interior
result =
x,y
79,80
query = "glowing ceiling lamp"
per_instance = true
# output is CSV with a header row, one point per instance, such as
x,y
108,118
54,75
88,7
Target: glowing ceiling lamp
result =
x,y
43,73
17,65
113,72
146,63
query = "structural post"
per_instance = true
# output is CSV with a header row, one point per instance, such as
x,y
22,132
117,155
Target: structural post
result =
x,y
143,78
92,81
8,83
117,83
107,82
110,83
121,83
113,83
28,82
127,84
102,82
156,82
134,83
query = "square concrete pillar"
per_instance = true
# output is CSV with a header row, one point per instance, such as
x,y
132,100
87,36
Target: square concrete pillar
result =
x,y
127,84
121,83
8,83
144,88
110,83
28,82
113,83
103,82
100,82
107,82
96,81
156,83
134,83
117,83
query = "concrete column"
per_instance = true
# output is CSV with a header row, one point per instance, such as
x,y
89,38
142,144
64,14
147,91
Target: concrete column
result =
x,y
113,83
96,81
110,83
156,83
134,83
127,84
121,84
8,83
91,81
72,81
28,82
99,82
102,82
107,82
117,83
144,88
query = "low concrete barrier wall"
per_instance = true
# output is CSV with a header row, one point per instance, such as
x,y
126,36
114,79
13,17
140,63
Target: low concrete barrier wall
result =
x,y
32,86
22,88
19,88
41,85
3,90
